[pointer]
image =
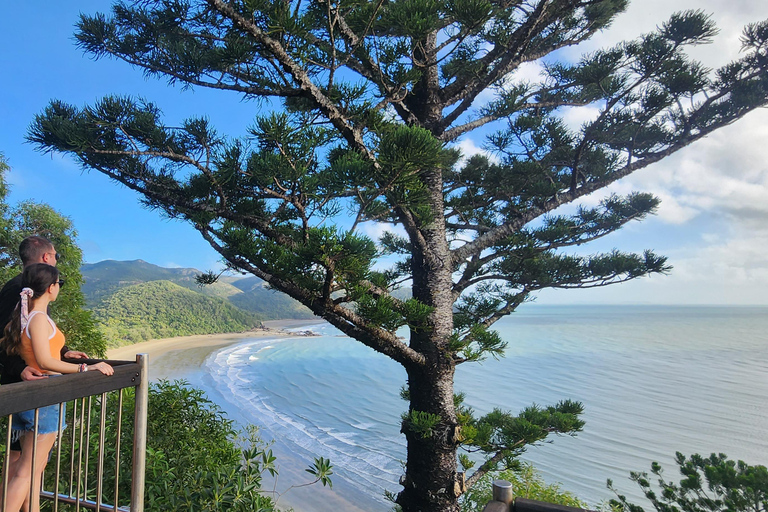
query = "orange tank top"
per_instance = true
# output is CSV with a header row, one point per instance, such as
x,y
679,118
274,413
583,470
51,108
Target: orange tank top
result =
x,y
55,342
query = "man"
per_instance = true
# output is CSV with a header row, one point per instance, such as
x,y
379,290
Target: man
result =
x,y
33,249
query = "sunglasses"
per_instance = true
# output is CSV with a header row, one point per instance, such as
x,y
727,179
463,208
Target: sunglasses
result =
x,y
61,282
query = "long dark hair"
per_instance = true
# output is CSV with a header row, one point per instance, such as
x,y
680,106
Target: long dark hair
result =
x,y
38,277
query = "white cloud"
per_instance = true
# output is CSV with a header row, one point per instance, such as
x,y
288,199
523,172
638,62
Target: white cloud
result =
x,y
644,16
727,172
531,72
527,72
375,230
469,148
575,117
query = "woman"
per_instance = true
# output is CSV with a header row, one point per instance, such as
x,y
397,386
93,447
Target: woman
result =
x,y
34,336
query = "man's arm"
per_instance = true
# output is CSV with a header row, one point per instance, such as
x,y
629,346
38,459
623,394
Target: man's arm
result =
x,y
67,353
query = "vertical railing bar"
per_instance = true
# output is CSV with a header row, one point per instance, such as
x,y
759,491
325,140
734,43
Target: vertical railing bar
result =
x,y
87,449
34,456
100,466
72,447
80,455
6,461
59,440
117,451
140,434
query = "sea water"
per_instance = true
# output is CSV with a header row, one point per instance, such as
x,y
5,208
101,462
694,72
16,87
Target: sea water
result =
x,y
653,380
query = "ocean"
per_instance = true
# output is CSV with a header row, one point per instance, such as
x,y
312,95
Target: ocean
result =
x,y
653,379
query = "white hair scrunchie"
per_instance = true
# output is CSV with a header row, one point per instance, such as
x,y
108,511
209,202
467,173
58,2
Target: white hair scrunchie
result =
x,y
26,294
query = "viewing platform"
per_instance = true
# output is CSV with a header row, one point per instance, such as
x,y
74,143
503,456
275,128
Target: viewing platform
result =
x,y
87,466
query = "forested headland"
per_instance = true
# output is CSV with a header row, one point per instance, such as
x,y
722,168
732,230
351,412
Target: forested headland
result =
x,y
135,301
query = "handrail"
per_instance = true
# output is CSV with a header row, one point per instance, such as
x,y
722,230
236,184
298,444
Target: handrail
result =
x,y
24,396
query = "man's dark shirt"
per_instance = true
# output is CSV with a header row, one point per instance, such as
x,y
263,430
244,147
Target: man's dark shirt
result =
x,y
9,298
11,366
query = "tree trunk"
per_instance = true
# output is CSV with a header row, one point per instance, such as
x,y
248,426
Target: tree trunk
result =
x,y
430,483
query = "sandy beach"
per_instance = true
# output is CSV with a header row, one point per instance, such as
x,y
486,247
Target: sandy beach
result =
x,y
177,358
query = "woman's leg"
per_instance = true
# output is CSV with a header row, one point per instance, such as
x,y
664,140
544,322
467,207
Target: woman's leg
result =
x,y
44,446
19,483
13,459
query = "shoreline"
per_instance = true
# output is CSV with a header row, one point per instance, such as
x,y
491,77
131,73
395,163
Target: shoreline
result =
x,y
181,356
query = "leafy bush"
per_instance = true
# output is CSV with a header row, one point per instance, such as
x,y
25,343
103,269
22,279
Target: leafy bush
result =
x,y
527,483
709,484
196,458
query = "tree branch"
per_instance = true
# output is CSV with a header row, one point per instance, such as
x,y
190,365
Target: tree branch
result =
x,y
352,135
340,317
499,233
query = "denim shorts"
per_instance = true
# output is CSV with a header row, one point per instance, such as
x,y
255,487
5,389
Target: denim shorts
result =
x,y
47,421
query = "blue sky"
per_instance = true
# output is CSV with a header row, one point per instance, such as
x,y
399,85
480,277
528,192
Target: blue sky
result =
x,y
713,223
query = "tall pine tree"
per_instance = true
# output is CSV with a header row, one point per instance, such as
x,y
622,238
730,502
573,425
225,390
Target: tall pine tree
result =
x,y
369,97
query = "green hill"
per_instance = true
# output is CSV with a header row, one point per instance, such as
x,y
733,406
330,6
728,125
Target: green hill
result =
x,y
105,278
161,309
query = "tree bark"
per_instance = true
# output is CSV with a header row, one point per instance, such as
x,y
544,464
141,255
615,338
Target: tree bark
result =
x,y
430,482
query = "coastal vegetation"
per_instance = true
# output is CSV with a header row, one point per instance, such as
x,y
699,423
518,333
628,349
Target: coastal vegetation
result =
x,y
370,101
68,311
161,309
708,484
248,293
135,301
526,481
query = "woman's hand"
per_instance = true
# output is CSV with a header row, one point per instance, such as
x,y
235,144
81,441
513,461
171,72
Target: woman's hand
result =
x,y
102,367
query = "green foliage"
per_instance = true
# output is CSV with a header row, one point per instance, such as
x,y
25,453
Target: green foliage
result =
x,y
421,423
195,461
161,309
527,483
322,470
196,458
505,436
708,484
29,218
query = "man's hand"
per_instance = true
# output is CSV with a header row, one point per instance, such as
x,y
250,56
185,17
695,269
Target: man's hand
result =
x,y
30,373
75,354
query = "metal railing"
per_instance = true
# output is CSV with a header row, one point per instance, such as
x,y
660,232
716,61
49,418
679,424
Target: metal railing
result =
x,y
504,501
87,454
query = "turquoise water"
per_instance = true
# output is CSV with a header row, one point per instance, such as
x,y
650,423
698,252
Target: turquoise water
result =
x,y
654,380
